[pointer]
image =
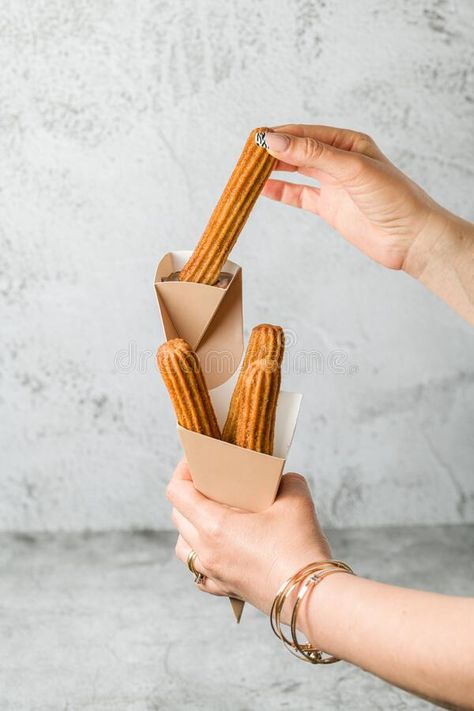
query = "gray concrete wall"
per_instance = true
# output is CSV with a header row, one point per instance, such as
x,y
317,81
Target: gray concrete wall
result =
x,y
120,123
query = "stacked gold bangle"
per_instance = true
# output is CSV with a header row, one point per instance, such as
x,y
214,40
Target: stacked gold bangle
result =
x,y
310,576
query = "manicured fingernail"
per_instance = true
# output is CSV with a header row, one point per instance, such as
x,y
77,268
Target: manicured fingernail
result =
x,y
260,139
277,142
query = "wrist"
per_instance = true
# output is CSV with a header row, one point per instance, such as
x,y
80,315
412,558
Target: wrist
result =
x,y
442,259
300,614
431,242
318,613
439,242
285,573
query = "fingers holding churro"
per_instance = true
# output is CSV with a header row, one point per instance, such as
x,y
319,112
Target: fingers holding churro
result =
x,y
231,212
181,372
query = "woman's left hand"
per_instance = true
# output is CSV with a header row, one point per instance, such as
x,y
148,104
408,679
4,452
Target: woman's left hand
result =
x,y
242,554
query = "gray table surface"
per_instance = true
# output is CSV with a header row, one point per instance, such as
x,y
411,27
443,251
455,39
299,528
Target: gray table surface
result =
x,y
112,621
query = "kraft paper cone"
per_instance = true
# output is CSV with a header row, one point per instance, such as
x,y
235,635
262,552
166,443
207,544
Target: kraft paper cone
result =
x,y
236,476
229,474
237,607
207,317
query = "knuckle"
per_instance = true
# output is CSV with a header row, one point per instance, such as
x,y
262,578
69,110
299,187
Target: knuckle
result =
x,y
313,149
365,144
365,138
214,529
208,561
215,526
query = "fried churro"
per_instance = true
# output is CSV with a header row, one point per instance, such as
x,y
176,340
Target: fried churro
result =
x,y
251,417
266,342
181,372
258,399
231,212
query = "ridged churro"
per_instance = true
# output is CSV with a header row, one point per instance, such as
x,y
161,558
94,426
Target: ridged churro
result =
x,y
231,212
266,342
258,400
181,372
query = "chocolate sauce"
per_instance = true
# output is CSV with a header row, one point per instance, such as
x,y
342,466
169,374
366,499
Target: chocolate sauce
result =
x,y
222,283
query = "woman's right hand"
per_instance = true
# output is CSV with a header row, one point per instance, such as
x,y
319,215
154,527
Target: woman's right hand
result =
x,y
361,194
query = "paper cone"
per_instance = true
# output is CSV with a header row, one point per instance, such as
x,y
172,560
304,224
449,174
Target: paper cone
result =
x,y
241,477
209,318
229,474
237,607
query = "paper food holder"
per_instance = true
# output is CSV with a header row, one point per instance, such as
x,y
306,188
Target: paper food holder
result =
x,y
236,476
209,318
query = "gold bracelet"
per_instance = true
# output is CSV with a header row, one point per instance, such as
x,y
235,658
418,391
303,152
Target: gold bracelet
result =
x,y
286,589
307,577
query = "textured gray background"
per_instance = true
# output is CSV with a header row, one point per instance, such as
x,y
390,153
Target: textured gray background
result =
x,y
120,122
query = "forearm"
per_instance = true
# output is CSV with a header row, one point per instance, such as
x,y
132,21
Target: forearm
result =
x,y
442,258
422,642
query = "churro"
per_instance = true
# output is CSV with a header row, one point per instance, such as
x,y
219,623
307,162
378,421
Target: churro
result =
x,y
181,372
258,400
265,342
231,212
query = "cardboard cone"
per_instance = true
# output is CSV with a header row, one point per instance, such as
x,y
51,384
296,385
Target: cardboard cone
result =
x,y
237,607
229,474
209,318
241,477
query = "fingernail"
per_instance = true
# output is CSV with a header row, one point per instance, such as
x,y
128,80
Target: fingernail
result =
x,y
277,142
260,139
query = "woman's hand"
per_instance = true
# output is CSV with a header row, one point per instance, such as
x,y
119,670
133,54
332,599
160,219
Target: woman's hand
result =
x,y
243,554
418,641
366,198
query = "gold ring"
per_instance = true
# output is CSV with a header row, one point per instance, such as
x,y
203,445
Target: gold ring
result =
x,y
198,577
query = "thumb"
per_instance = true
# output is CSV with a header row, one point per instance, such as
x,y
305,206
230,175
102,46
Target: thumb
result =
x,y
293,485
307,152
182,471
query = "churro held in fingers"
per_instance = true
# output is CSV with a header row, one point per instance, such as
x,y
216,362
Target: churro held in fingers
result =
x,y
258,400
181,372
231,212
266,342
